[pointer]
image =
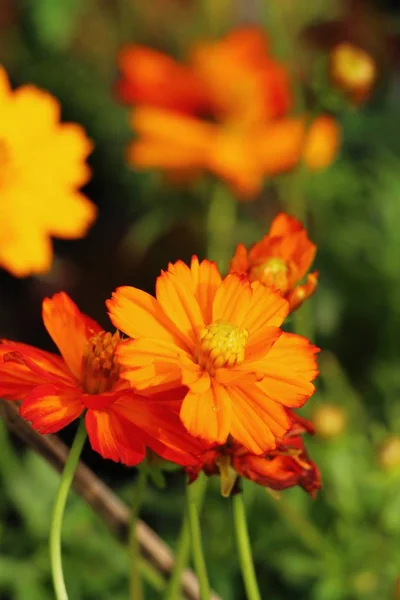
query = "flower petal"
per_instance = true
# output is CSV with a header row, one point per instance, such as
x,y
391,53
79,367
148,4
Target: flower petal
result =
x,y
288,370
158,420
203,278
180,304
69,328
113,437
232,300
149,362
252,422
23,367
207,415
139,314
50,408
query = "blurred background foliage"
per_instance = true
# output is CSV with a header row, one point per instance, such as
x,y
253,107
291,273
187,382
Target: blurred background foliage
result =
x,y
346,543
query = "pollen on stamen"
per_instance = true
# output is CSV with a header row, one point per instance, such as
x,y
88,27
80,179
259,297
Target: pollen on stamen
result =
x,y
100,367
221,344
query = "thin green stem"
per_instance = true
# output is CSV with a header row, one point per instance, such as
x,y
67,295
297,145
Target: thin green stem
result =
x,y
135,580
195,538
58,512
221,222
244,549
183,548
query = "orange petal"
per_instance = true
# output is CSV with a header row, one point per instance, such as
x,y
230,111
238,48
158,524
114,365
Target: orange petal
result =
x,y
24,367
147,80
253,423
288,370
322,143
160,426
113,437
302,292
203,279
232,300
150,362
50,409
240,262
279,145
266,308
69,328
180,304
139,314
207,415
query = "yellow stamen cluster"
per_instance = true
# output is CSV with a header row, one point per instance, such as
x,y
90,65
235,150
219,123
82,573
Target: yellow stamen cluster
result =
x,y
100,368
221,344
273,271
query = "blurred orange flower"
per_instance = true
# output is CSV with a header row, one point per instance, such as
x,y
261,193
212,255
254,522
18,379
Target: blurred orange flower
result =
x,y
285,466
226,110
221,339
57,389
281,259
42,167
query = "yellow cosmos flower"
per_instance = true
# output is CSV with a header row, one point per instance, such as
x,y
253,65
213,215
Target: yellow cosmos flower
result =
x,y
221,339
42,167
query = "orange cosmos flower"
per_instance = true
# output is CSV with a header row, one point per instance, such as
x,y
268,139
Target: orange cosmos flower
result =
x,y
281,259
286,466
41,170
220,339
57,389
226,112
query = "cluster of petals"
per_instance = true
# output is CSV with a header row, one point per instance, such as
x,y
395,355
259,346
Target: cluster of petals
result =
x,y
42,167
281,259
285,466
226,110
221,340
56,389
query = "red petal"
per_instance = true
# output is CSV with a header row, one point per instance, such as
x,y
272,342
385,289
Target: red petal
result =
x,y
50,408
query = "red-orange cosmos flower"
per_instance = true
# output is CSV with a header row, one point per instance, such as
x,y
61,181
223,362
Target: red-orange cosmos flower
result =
x,y
56,390
220,339
42,167
285,466
225,110
281,259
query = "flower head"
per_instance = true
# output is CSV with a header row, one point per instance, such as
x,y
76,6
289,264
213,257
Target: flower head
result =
x,y
220,338
57,389
285,466
226,110
281,259
42,167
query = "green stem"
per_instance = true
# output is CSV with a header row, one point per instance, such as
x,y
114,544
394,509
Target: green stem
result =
x,y
183,548
195,538
221,222
244,549
135,581
58,512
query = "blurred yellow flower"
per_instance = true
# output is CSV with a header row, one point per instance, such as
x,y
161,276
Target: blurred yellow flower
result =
x,y
42,166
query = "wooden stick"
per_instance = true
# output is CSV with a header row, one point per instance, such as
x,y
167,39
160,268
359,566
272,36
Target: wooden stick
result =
x,y
110,508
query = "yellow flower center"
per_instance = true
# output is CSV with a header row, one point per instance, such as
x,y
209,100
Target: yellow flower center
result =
x,y
273,271
221,344
100,368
